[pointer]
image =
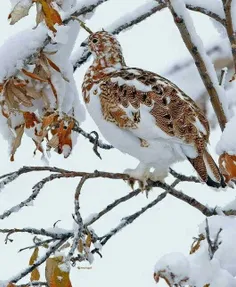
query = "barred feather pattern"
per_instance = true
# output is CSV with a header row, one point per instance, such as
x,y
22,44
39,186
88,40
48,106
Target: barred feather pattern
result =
x,y
148,107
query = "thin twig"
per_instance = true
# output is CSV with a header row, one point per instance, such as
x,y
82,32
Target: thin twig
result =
x,y
182,177
212,245
40,243
112,205
34,283
55,235
78,219
129,219
96,141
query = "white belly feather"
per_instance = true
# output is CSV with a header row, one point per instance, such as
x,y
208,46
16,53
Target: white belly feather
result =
x,y
159,153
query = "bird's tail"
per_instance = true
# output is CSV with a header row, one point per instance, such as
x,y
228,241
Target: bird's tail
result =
x,y
208,170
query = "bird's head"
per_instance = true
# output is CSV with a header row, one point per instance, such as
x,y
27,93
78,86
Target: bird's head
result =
x,y
103,43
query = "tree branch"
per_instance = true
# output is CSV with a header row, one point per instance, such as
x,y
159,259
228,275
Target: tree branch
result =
x,y
129,219
148,10
192,42
55,235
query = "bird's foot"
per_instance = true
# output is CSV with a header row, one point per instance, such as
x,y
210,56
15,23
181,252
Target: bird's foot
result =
x,y
139,175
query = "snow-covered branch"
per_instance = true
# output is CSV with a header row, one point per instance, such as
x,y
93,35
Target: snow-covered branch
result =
x,y
138,15
206,70
82,239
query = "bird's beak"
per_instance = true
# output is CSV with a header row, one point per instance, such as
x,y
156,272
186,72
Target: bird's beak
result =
x,y
156,277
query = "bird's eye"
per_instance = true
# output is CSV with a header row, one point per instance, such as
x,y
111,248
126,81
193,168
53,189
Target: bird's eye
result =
x,y
95,40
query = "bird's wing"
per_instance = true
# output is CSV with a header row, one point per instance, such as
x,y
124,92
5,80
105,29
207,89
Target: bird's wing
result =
x,y
151,107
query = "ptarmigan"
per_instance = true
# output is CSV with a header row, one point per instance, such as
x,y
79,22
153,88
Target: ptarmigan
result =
x,y
145,115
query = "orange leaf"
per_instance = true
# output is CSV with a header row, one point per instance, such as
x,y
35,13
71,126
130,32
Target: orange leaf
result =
x,y
53,65
55,273
227,164
30,119
88,240
35,276
52,17
33,76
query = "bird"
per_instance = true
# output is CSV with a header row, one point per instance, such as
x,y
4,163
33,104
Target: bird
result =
x,y
145,115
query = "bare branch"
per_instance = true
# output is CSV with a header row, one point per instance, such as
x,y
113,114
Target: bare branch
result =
x,y
212,245
200,63
78,219
112,205
182,177
55,235
96,141
129,219
34,283
207,12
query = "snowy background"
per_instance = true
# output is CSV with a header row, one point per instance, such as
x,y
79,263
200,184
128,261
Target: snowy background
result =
x,y
130,256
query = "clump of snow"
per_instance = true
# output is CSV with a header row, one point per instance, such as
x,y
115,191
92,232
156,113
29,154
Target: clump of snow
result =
x,y
89,218
199,268
173,263
227,142
65,267
17,48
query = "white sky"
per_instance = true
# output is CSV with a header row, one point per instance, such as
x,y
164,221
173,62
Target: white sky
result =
x,y
128,258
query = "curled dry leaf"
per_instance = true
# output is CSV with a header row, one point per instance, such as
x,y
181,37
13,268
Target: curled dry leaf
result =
x,y
49,14
35,275
227,165
17,92
42,71
19,131
20,10
196,244
61,141
55,273
45,11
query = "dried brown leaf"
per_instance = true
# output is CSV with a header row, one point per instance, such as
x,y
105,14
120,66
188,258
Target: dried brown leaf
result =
x,y
30,120
88,240
55,275
19,11
17,141
80,246
33,76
